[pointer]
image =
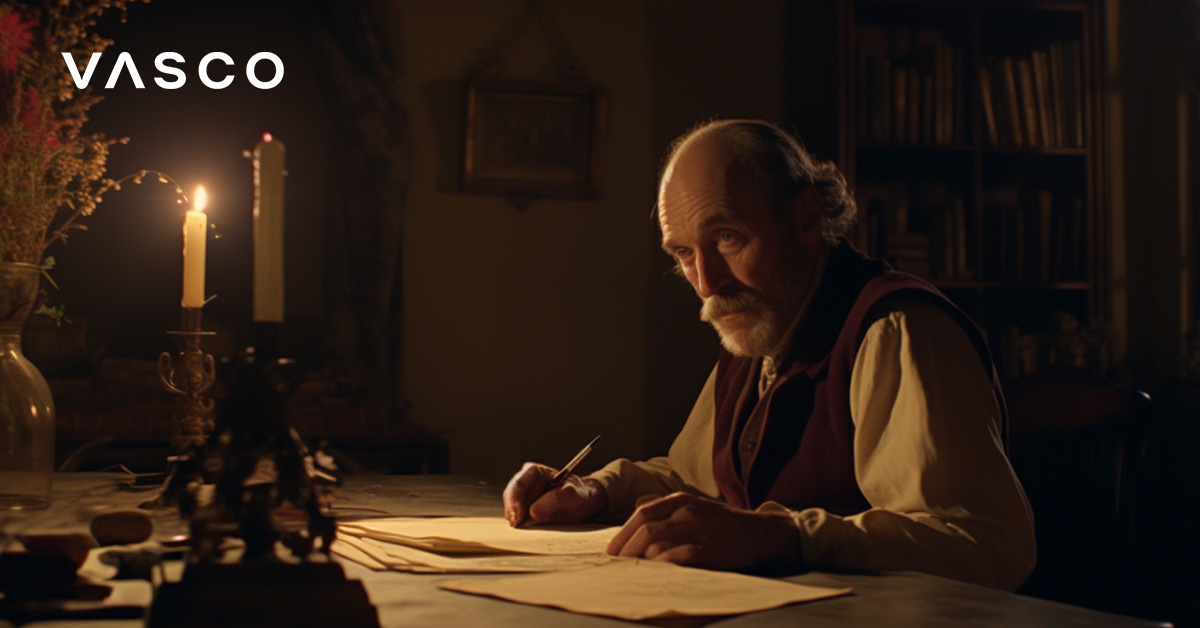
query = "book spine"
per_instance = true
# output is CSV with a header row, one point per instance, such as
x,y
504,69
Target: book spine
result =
x,y
986,101
899,103
1045,199
1028,102
1012,107
1057,97
1041,89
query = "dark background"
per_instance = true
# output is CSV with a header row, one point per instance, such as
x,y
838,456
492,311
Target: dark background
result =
x,y
537,325
516,330
519,331
124,273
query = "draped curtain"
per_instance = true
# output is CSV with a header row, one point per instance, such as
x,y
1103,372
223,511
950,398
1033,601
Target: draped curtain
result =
x,y
358,53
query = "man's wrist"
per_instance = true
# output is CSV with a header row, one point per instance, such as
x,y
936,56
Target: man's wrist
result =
x,y
597,498
787,532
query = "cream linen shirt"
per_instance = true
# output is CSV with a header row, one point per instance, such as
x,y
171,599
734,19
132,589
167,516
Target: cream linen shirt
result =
x,y
928,457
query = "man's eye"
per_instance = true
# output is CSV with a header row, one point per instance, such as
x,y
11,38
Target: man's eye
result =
x,y
728,237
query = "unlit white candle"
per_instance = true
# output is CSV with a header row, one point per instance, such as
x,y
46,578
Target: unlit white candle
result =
x,y
195,244
268,230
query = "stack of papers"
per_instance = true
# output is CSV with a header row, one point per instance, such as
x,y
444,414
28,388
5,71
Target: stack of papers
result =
x,y
471,545
585,579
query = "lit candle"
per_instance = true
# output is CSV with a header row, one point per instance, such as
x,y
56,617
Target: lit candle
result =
x,y
195,231
268,230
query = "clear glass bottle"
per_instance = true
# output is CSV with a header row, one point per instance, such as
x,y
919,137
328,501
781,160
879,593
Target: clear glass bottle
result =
x,y
26,405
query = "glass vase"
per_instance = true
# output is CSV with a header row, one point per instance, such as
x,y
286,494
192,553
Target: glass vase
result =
x,y
26,405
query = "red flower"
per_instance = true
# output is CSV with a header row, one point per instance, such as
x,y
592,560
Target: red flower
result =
x,y
32,114
15,39
37,129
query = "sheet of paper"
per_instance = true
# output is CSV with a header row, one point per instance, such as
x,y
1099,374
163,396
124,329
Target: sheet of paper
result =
x,y
351,551
638,590
481,535
402,558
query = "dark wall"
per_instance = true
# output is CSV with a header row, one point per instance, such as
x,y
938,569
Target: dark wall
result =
x,y
707,60
124,273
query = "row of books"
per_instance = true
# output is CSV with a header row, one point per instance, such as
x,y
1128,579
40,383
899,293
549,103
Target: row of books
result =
x,y
909,85
920,227
1034,100
943,254
1038,236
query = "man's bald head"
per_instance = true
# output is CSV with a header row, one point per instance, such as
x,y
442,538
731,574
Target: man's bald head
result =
x,y
771,157
747,241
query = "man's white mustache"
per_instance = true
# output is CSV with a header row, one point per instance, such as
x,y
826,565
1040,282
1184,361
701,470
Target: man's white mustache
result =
x,y
719,305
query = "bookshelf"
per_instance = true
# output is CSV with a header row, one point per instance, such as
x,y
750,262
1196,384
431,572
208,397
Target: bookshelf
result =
x,y
970,135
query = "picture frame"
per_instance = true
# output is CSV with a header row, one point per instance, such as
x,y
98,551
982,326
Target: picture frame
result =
x,y
533,139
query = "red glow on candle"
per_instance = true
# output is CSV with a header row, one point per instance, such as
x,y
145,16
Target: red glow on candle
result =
x,y
267,137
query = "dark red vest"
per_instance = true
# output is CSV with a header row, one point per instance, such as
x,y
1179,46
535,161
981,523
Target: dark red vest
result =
x,y
801,450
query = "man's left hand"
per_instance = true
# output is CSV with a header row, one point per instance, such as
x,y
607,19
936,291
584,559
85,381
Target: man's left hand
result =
x,y
690,530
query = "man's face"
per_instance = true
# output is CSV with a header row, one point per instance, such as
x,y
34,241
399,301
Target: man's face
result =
x,y
749,267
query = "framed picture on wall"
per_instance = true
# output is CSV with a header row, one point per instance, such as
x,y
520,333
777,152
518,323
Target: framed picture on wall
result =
x,y
533,138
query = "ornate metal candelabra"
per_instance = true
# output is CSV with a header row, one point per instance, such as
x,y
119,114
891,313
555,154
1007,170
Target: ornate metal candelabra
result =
x,y
189,373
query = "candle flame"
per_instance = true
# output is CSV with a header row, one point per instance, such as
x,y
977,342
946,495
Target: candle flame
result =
x,y
199,199
267,137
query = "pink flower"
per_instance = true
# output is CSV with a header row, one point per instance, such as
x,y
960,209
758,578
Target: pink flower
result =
x,y
16,39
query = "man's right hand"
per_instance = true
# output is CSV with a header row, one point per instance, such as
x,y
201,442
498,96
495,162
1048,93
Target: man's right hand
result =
x,y
576,499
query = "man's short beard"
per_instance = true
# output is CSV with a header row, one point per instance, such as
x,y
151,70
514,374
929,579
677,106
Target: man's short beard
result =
x,y
757,337
769,320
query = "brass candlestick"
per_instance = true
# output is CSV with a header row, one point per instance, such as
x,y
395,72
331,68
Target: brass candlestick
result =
x,y
189,373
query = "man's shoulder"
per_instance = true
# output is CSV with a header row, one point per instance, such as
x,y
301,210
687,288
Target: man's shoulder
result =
x,y
915,309
913,300
923,315
900,296
895,291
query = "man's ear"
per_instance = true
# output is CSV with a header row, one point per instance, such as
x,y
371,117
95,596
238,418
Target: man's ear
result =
x,y
807,217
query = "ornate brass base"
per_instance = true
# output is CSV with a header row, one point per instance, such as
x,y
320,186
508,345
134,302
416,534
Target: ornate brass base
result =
x,y
189,373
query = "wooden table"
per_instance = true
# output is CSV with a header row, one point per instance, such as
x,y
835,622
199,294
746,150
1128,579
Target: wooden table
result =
x,y
405,599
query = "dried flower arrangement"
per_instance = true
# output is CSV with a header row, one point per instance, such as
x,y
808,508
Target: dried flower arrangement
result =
x,y
51,171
